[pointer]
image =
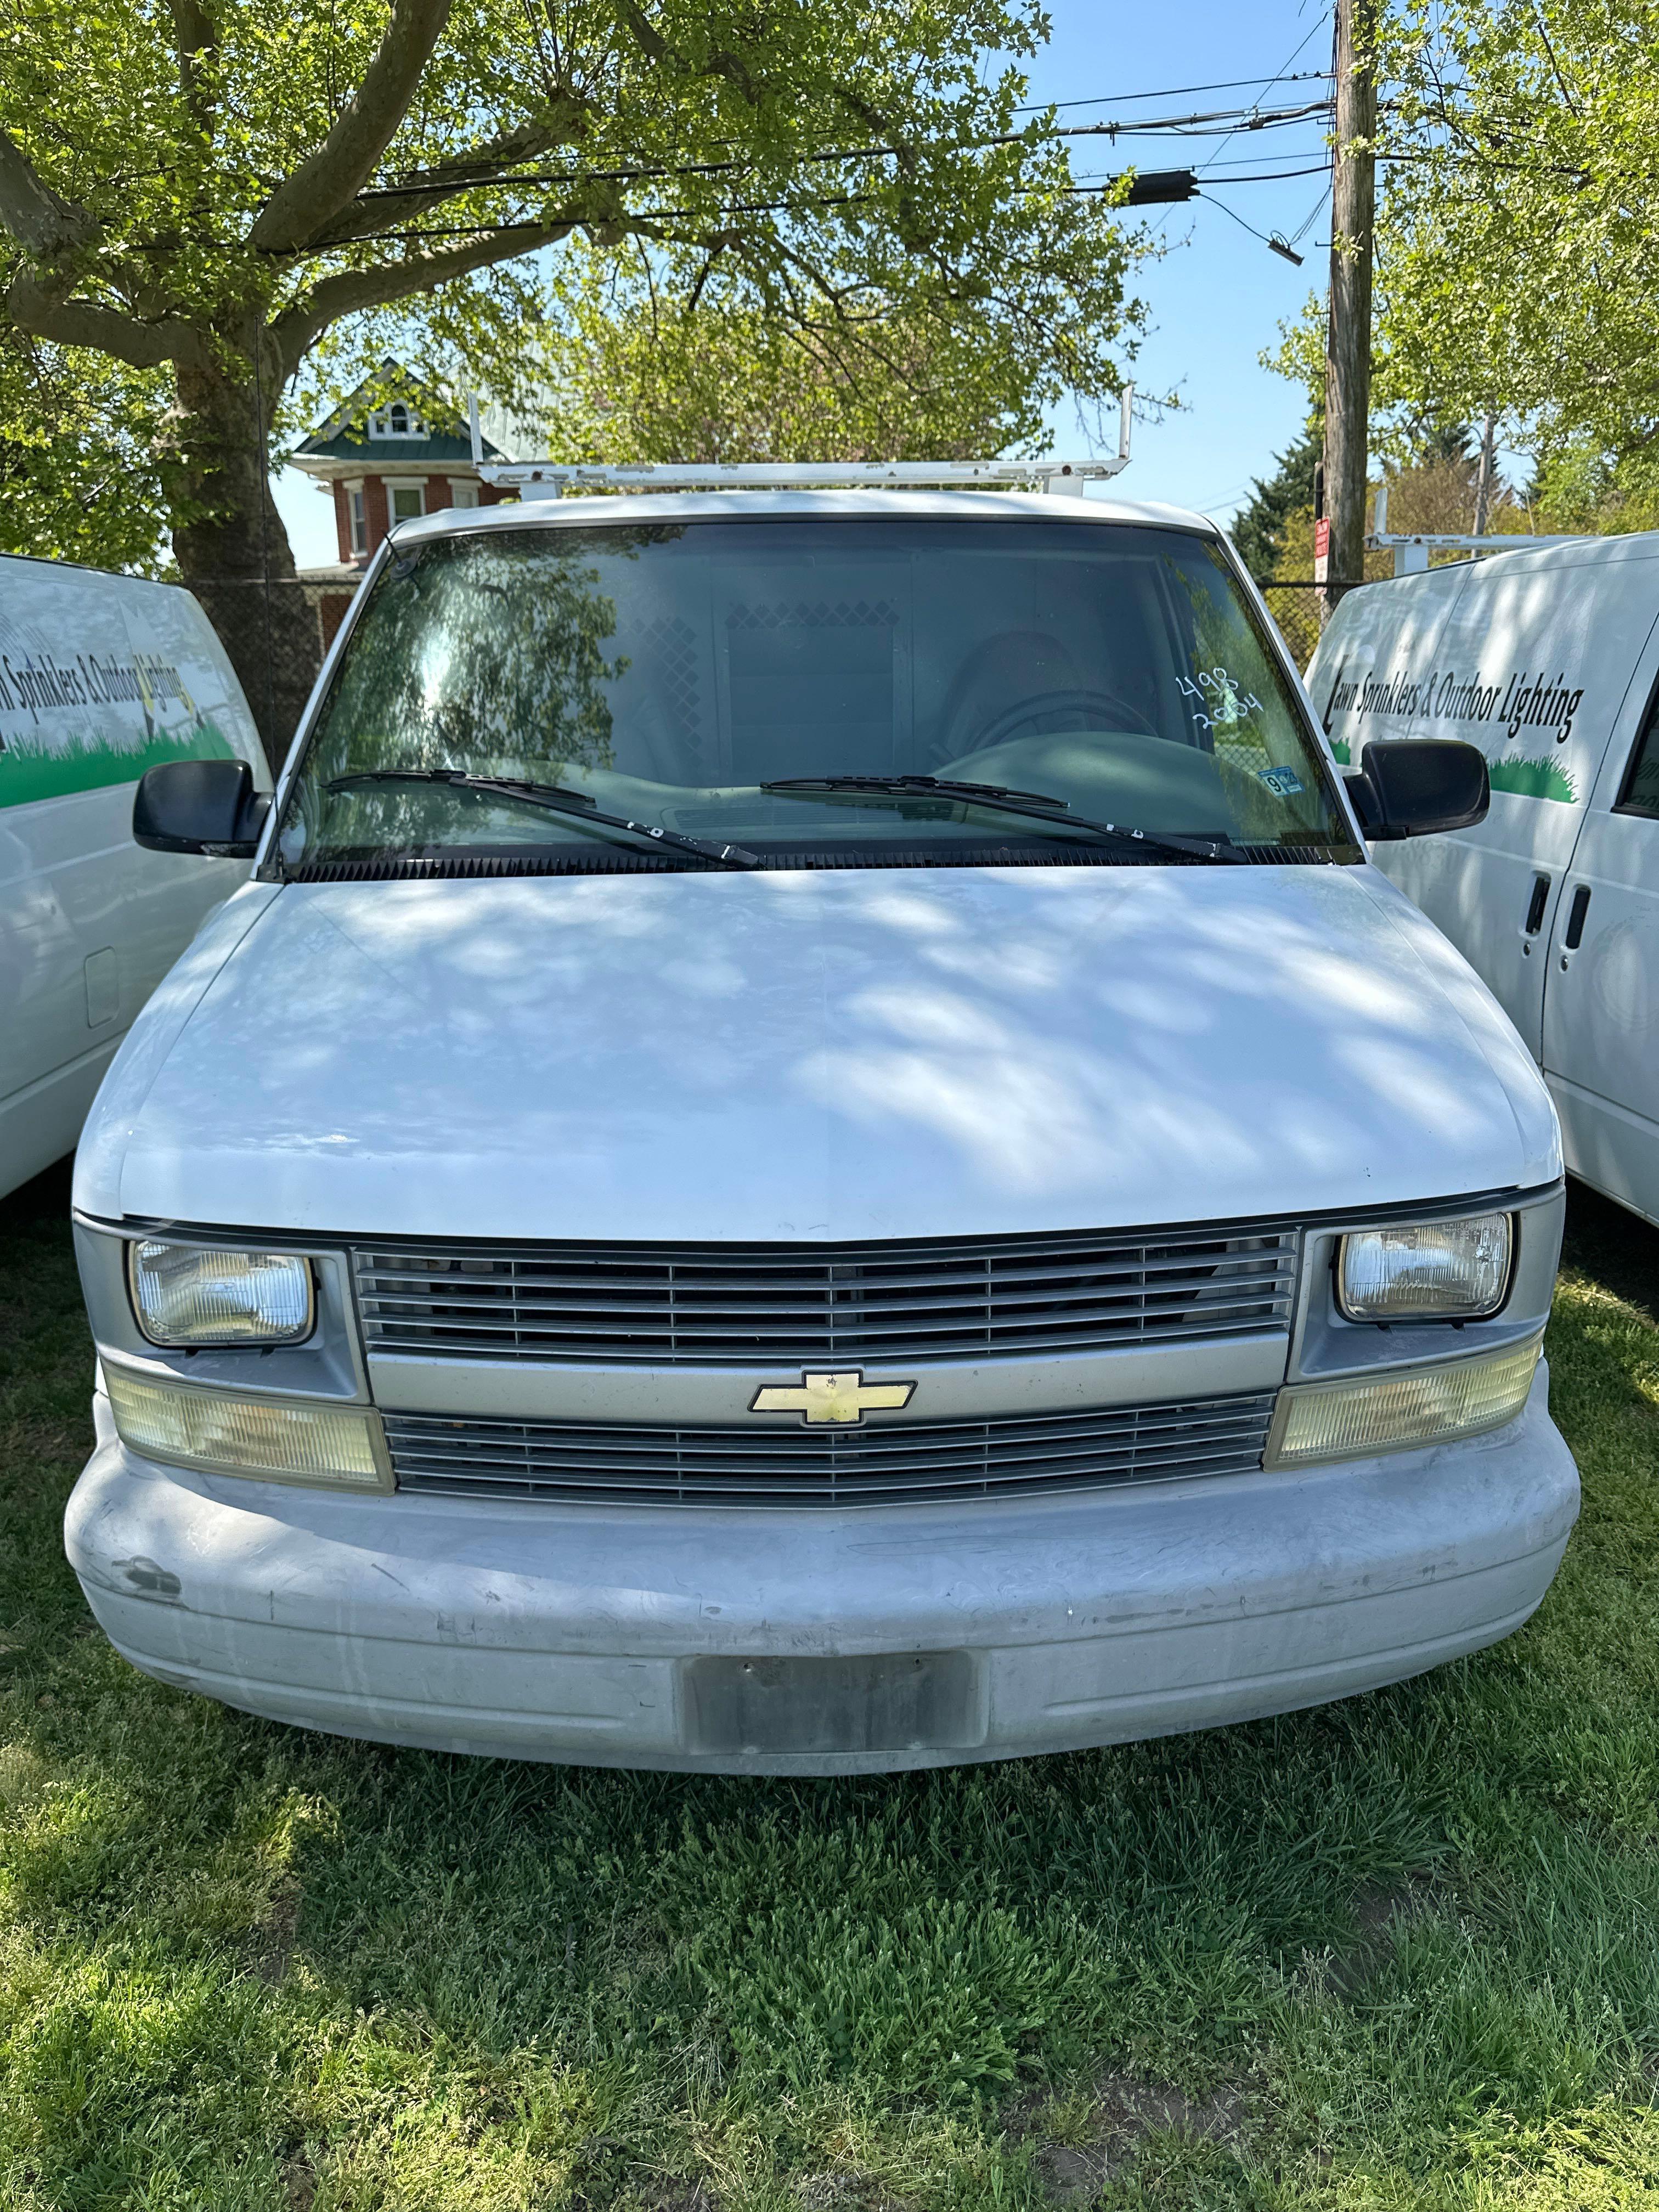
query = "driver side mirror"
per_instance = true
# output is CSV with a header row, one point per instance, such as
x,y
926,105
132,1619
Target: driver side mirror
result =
x,y
1413,787
200,806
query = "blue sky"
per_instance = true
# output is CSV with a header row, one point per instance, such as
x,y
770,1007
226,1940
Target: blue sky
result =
x,y
1218,295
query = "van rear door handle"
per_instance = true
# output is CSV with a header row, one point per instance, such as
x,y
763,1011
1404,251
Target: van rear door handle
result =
x,y
1539,900
1575,936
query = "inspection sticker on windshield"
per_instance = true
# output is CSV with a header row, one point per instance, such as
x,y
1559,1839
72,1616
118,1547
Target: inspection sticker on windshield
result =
x,y
1283,781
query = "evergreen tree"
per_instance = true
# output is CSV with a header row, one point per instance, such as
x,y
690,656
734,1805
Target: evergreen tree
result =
x,y
1258,529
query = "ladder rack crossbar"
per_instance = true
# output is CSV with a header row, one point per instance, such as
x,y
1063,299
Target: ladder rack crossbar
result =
x,y
549,479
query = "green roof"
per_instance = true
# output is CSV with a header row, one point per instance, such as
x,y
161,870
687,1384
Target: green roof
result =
x,y
393,452
344,436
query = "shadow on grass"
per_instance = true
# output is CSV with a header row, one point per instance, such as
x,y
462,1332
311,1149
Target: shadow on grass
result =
x,y
1401,1938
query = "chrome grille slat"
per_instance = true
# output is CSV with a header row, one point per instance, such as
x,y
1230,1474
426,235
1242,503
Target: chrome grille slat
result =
x,y
688,1274
801,1305
802,1466
796,1309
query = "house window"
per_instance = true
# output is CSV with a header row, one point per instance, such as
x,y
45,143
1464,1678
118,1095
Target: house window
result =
x,y
463,495
358,515
407,502
396,421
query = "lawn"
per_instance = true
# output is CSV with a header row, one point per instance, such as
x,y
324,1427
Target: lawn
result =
x,y
1400,1953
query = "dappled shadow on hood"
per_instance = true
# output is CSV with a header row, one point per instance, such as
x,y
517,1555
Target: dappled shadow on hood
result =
x,y
846,1054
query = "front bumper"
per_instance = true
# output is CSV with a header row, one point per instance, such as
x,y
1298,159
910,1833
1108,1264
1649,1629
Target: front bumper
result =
x,y
587,1634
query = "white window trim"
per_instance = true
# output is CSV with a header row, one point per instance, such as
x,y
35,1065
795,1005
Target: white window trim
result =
x,y
457,484
379,423
395,484
353,487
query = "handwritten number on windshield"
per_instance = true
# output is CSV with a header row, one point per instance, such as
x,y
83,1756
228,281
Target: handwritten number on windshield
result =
x,y
1214,689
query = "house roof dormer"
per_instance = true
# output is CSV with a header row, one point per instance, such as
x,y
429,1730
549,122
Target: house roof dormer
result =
x,y
368,434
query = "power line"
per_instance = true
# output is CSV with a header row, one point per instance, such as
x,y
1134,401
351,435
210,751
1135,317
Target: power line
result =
x,y
1146,187
1280,76
1271,176
1172,126
1178,91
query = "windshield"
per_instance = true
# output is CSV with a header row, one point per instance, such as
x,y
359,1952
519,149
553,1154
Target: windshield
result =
x,y
666,673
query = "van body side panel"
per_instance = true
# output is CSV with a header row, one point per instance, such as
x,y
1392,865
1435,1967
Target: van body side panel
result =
x,y
100,677
1533,660
1601,1042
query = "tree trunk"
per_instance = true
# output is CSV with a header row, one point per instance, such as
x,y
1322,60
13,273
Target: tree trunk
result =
x,y
232,551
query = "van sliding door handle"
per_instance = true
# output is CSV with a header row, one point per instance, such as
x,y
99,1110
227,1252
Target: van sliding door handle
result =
x,y
1539,900
1575,936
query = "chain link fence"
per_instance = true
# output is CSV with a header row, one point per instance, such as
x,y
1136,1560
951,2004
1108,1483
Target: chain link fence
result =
x,y
1295,608
276,631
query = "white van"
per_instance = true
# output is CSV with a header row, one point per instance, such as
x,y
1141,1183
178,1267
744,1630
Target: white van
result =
x,y
1549,661
102,677
815,1149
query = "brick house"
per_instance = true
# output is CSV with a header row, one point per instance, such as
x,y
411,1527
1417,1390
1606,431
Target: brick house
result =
x,y
382,464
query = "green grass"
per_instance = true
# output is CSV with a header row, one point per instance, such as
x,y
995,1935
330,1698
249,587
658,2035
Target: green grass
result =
x,y
1532,779
1400,1954
30,768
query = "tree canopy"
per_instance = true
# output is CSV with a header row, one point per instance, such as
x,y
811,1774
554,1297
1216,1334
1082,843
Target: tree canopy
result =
x,y
1517,235
196,197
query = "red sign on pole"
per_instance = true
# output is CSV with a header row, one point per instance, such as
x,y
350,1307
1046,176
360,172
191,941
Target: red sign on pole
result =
x,y
1321,549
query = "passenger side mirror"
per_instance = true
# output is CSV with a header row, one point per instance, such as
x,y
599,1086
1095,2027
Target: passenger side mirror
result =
x,y
1413,787
200,806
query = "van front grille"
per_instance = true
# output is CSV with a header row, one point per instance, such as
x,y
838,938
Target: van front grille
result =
x,y
795,1304
906,1462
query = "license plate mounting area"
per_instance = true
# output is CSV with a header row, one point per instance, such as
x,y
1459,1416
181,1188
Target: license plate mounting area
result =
x,y
880,1702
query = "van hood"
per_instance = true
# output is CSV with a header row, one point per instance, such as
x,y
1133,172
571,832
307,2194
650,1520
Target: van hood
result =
x,y
849,1054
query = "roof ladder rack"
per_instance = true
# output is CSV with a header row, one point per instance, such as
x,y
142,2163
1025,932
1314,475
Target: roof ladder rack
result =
x,y
1412,548
552,479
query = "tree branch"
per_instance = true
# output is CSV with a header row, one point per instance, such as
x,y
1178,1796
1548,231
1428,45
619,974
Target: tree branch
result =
x,y
303,207
430,188
352,290
36,216
47,314
194,34
721,63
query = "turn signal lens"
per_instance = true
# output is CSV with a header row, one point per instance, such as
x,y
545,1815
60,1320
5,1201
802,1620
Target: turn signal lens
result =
x,y
1427,1271
337,1447
1324,1421
193,1294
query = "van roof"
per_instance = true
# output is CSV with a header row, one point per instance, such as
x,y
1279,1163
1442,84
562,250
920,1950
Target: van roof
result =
x,y
712,506
1587,551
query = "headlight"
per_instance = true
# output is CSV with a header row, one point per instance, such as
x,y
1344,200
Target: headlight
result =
x,y
1431,1271
1325,1421
190,1294
337,1447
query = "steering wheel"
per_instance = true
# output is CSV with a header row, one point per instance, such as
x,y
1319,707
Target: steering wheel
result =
x,y
1051,712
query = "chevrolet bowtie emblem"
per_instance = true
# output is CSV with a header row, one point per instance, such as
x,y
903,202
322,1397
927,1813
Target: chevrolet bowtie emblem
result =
x,y
845,1397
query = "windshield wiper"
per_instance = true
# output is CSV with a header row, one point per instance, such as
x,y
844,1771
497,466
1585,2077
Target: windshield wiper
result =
x,y
1036,804
552,798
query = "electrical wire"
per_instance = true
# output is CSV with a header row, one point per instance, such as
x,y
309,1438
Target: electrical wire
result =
x,y
1239,220
1279,77
1171,126
1178,91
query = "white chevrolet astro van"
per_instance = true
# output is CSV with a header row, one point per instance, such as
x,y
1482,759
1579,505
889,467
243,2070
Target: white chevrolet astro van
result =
x,y
101,677
814,1149
1548,657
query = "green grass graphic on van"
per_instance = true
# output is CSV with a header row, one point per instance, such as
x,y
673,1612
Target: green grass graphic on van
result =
x,y
30,769
1339,750
1532,779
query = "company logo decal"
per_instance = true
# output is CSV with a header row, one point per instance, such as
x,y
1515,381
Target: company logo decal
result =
x,y
1511,704
844,1397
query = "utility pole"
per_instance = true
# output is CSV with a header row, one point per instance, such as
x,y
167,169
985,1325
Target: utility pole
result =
x,y
1348,343
1484,474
